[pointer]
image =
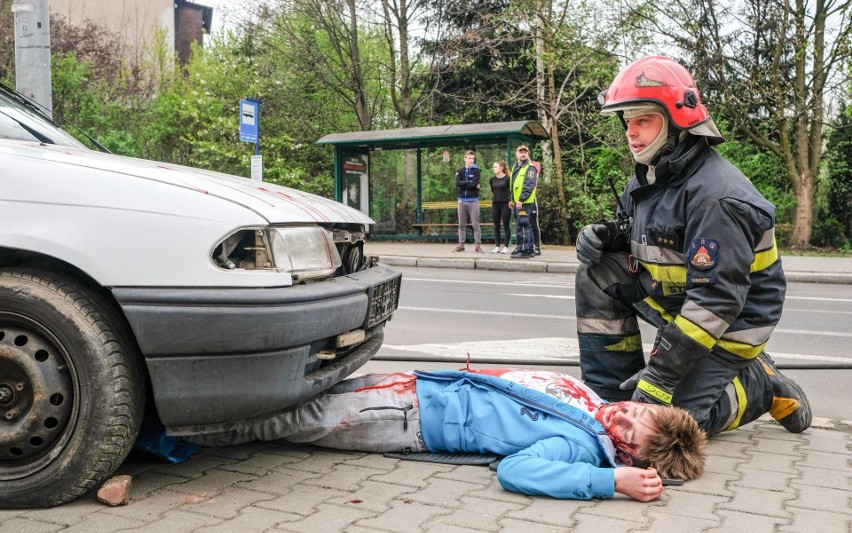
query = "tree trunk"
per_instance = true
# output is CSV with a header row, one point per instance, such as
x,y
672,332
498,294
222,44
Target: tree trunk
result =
x,y
362,107
803,218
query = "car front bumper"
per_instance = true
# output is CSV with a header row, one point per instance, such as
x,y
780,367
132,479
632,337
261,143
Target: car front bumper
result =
x,y
217,355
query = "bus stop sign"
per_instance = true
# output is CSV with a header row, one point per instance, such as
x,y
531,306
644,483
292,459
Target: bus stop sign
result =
x,y
249,120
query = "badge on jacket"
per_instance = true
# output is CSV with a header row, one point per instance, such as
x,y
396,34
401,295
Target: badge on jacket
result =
x,y
702,253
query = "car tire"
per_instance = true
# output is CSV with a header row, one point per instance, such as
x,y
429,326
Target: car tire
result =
x,y
71,389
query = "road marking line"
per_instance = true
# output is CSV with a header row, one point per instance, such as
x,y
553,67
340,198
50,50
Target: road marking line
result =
x,y
541,296
509,283
819,299
489,313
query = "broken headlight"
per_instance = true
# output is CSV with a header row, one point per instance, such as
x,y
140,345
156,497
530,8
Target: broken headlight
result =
x,y
305,252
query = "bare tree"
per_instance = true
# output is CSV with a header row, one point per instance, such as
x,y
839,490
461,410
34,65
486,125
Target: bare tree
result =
x,y
399,17
771,66
324,41
567,78
555,66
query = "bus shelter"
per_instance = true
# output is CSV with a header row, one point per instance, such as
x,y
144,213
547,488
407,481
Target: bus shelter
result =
x,y
352,152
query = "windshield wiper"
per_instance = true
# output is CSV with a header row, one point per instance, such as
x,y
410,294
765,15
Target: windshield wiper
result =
x,y
35,133
45,114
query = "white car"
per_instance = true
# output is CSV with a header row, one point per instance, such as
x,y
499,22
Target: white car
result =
x,y
223,298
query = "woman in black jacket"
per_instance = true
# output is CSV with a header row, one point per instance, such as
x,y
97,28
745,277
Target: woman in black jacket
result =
x,y
500,212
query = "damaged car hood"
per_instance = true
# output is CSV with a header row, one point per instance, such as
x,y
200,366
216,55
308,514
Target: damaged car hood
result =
x,y
277,204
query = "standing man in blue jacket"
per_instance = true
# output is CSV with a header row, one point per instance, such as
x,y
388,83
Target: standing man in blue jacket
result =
x,y
559,438
467,181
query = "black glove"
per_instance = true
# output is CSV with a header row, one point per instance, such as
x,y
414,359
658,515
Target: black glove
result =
x,y
630,383
594,240
646,388
674,355
651,388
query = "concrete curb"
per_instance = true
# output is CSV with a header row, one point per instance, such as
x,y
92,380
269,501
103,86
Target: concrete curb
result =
x,y
837,278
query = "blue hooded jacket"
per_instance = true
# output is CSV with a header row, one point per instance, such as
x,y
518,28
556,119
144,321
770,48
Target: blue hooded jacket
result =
x,y
552,448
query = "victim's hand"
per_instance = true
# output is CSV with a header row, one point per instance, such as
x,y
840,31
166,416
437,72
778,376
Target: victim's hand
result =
x,y
641,485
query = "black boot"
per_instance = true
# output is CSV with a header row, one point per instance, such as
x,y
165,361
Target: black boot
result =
x,y
790,406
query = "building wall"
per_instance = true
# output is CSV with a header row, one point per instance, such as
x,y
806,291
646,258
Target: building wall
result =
x,y
189,21
136,22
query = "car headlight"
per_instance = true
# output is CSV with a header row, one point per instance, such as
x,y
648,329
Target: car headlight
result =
x,y
304,251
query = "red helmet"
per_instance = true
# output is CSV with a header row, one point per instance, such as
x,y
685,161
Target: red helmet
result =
x,y
662,81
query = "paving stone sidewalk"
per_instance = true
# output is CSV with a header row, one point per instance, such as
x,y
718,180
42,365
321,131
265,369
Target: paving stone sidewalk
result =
x,y
759,478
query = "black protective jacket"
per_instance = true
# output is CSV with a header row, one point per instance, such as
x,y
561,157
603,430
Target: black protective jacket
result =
x,y
703,244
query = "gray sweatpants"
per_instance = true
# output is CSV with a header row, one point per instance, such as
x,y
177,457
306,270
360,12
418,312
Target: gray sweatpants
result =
x,y
469,211
370,413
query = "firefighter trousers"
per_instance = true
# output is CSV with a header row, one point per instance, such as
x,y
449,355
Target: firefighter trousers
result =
x,y
609,301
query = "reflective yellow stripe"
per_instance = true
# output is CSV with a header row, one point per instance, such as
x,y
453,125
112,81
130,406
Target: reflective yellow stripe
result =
x,y
632,343
654,391
765,259
746,351
742,400
695,332
658,308
672,273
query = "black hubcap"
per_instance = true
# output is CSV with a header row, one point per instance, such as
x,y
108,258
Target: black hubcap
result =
x,y
36,397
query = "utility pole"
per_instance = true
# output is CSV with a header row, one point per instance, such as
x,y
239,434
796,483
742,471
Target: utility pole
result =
x,y
32,51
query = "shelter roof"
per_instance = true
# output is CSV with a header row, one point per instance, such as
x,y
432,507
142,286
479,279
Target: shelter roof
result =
x,y
454,135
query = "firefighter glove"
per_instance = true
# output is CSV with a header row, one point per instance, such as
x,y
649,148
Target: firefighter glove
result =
x,y
650,388
594,240
630,383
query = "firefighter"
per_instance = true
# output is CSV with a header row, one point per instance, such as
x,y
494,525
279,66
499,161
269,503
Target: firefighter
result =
x,y
693,253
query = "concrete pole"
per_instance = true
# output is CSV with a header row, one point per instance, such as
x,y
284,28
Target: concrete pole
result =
x,y
32,51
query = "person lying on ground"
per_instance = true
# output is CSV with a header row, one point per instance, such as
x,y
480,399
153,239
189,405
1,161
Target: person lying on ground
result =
x,y
559,438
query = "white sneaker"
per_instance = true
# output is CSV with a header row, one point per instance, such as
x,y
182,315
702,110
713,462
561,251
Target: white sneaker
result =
x,y
496,250
505,250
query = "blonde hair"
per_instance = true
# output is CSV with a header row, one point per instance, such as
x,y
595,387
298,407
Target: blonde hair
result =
x,y
677,447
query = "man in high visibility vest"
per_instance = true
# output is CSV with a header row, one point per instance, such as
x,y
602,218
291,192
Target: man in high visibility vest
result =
x,y
524,184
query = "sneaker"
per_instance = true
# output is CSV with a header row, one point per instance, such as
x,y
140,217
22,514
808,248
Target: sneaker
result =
x,y
496,250
521,255
478,249
504,250
790,406
459,248
536,252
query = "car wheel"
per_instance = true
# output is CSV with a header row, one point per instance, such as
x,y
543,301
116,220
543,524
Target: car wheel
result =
x,y
71,390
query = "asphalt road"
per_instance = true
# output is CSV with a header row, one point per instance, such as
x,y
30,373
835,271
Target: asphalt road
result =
x,y
522,318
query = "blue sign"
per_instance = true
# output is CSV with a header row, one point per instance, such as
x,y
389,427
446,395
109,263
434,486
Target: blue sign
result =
x,y
249,120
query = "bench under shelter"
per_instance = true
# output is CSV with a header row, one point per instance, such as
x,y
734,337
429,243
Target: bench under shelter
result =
x,y
353,150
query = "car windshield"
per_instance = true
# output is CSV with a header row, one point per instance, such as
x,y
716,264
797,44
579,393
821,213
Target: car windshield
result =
x,y
20,120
